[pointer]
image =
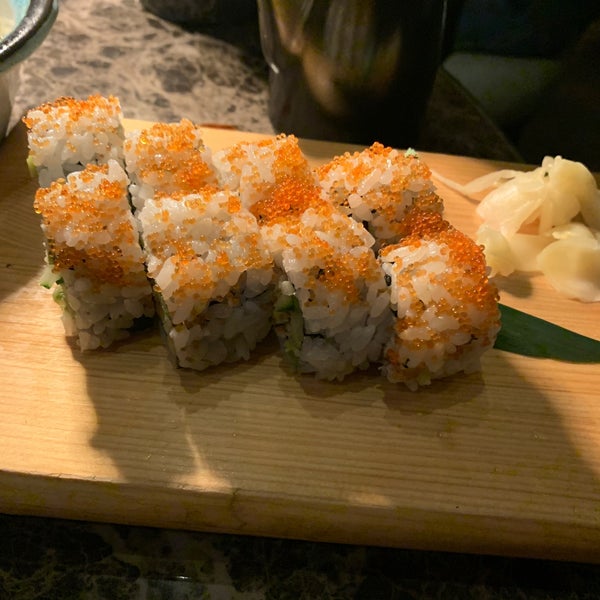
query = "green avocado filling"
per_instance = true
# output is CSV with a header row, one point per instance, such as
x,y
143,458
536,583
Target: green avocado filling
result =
x,y
31,168
58,295
48,278
289,324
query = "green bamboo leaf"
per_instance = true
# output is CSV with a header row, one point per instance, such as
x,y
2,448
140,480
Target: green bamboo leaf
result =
x,y
522,333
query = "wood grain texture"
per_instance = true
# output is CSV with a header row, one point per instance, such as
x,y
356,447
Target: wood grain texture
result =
x,y
503,461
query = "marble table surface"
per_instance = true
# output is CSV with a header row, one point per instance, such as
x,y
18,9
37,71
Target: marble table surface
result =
x,y
161,71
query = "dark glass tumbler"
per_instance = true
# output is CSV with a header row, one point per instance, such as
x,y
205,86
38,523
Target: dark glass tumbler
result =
x,y
351,70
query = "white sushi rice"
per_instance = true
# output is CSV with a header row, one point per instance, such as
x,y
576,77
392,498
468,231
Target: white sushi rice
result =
x,y
212,273
67,134
377,187
101,315
167,158
94,255
333,313
446,312
253,168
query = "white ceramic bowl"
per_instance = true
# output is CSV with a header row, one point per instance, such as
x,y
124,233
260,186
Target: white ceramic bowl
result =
x,y
23,26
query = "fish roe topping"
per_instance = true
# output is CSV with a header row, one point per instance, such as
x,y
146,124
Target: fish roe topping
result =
x,y
447,307
105,265
332,268
171,157
463,251
465,277
198,201
236,155
255,167
377,186
359,165
87,221
200,244
69,132
206,274
282,151
193,174
289,158
169,137
75,110
289,198
329,269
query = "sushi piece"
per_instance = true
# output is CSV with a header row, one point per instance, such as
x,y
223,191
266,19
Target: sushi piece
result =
x,y
446,309
295,206
94,256
332,309
377,187
254,168
167,158
67,134
331,313
212,275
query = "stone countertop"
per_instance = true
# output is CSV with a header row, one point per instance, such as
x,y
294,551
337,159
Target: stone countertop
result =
x,y
47,559
216,74
159,71
163,72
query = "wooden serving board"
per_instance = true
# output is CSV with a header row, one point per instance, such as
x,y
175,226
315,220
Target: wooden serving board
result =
x,y
504,461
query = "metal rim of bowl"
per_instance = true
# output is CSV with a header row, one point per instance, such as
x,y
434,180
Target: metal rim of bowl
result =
x,y
29,33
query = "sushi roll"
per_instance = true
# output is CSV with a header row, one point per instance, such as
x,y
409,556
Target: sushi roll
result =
x,y
254,168
331,311
67,134
167,158
446,309
212,275
377,187
94,256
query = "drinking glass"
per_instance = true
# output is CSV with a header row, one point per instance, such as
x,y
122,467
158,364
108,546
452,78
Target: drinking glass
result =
x,y
351,70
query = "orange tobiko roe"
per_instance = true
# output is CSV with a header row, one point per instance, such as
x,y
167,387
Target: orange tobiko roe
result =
x,y
289,198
